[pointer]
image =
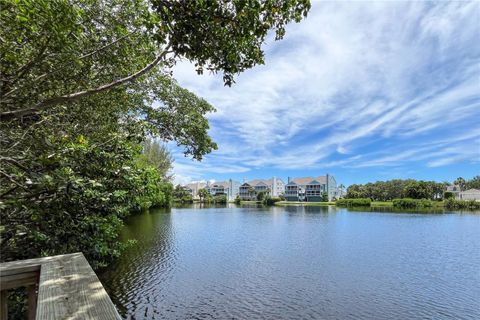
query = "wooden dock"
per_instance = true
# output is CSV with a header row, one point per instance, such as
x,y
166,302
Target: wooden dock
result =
x,y
58,287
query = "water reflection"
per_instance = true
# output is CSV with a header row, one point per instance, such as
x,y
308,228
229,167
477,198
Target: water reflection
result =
x,y
255,262
129,279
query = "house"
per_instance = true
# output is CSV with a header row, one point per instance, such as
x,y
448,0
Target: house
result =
x,y
273,187
339,193
194,187
471,194
310,189
454,189
229,188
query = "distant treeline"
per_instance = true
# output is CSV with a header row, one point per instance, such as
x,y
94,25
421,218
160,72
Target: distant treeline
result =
x,y
409,188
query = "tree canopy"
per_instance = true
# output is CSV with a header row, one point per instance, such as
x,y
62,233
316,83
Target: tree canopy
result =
x,y
397,188
57,52
84,84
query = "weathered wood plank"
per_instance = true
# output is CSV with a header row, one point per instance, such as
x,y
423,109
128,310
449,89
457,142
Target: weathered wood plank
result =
x,y
32,301
3,305
70,289
21,266
18,280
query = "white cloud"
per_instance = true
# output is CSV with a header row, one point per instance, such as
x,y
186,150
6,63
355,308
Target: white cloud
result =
x,y
351,75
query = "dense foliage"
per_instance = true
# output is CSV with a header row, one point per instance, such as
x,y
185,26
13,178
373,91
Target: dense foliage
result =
x,y
237,200
461,204
206,197
156,155
84,85
262,195
224,35
393,189
180,194
324,197
448,195
219,199
409,203
71,186
473,183
270,201
357,202
203,194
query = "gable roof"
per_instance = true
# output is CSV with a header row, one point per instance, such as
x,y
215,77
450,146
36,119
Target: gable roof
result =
x,y
257,182
453,187
196,185
309,180
224,184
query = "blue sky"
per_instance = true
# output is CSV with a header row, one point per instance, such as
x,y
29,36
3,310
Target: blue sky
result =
x,y
365,91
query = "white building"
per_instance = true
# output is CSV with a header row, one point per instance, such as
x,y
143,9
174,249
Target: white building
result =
x,y
274,187
471,194
310,189
454,189
229,188
194,187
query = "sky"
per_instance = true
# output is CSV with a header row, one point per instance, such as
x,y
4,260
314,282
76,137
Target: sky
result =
x,y
365,91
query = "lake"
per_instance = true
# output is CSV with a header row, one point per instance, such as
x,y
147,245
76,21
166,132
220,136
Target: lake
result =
x,y
297,263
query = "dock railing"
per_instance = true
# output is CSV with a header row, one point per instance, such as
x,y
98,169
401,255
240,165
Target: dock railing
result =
x,y
58,287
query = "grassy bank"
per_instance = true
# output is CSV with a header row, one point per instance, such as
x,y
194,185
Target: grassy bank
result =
x,y
389,204
382,204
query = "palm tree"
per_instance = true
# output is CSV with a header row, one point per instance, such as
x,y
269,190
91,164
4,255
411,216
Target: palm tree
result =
x,y
202,193
460,182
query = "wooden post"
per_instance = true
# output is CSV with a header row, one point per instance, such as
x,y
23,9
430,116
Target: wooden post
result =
x,y
3,305
32,301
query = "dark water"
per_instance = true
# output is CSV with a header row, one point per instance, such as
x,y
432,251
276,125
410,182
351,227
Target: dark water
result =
x,y
298,263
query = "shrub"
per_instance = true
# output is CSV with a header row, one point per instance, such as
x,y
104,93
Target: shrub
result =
x,y
448,195
184,199
261,195
360,202
324,197
412,203
237,199
461,204
220,199
269,201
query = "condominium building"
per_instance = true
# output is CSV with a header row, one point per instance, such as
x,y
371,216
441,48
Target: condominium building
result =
x,y
310,189
229,188
273,187
194,187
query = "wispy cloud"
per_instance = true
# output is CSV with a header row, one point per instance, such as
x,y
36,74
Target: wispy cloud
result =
x,y
357,84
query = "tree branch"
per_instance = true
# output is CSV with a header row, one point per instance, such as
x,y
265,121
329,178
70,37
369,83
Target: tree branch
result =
x,y
72,97
86,55
13,162
12,180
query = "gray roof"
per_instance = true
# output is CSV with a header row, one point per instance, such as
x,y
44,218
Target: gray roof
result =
x,y
308,180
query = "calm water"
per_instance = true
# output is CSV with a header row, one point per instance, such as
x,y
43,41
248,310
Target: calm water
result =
x,y
298,263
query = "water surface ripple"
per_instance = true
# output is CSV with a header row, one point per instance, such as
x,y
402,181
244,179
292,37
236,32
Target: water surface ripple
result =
x,y
297,263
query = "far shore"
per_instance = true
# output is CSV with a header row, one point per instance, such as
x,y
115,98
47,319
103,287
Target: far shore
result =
x,y
332,203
